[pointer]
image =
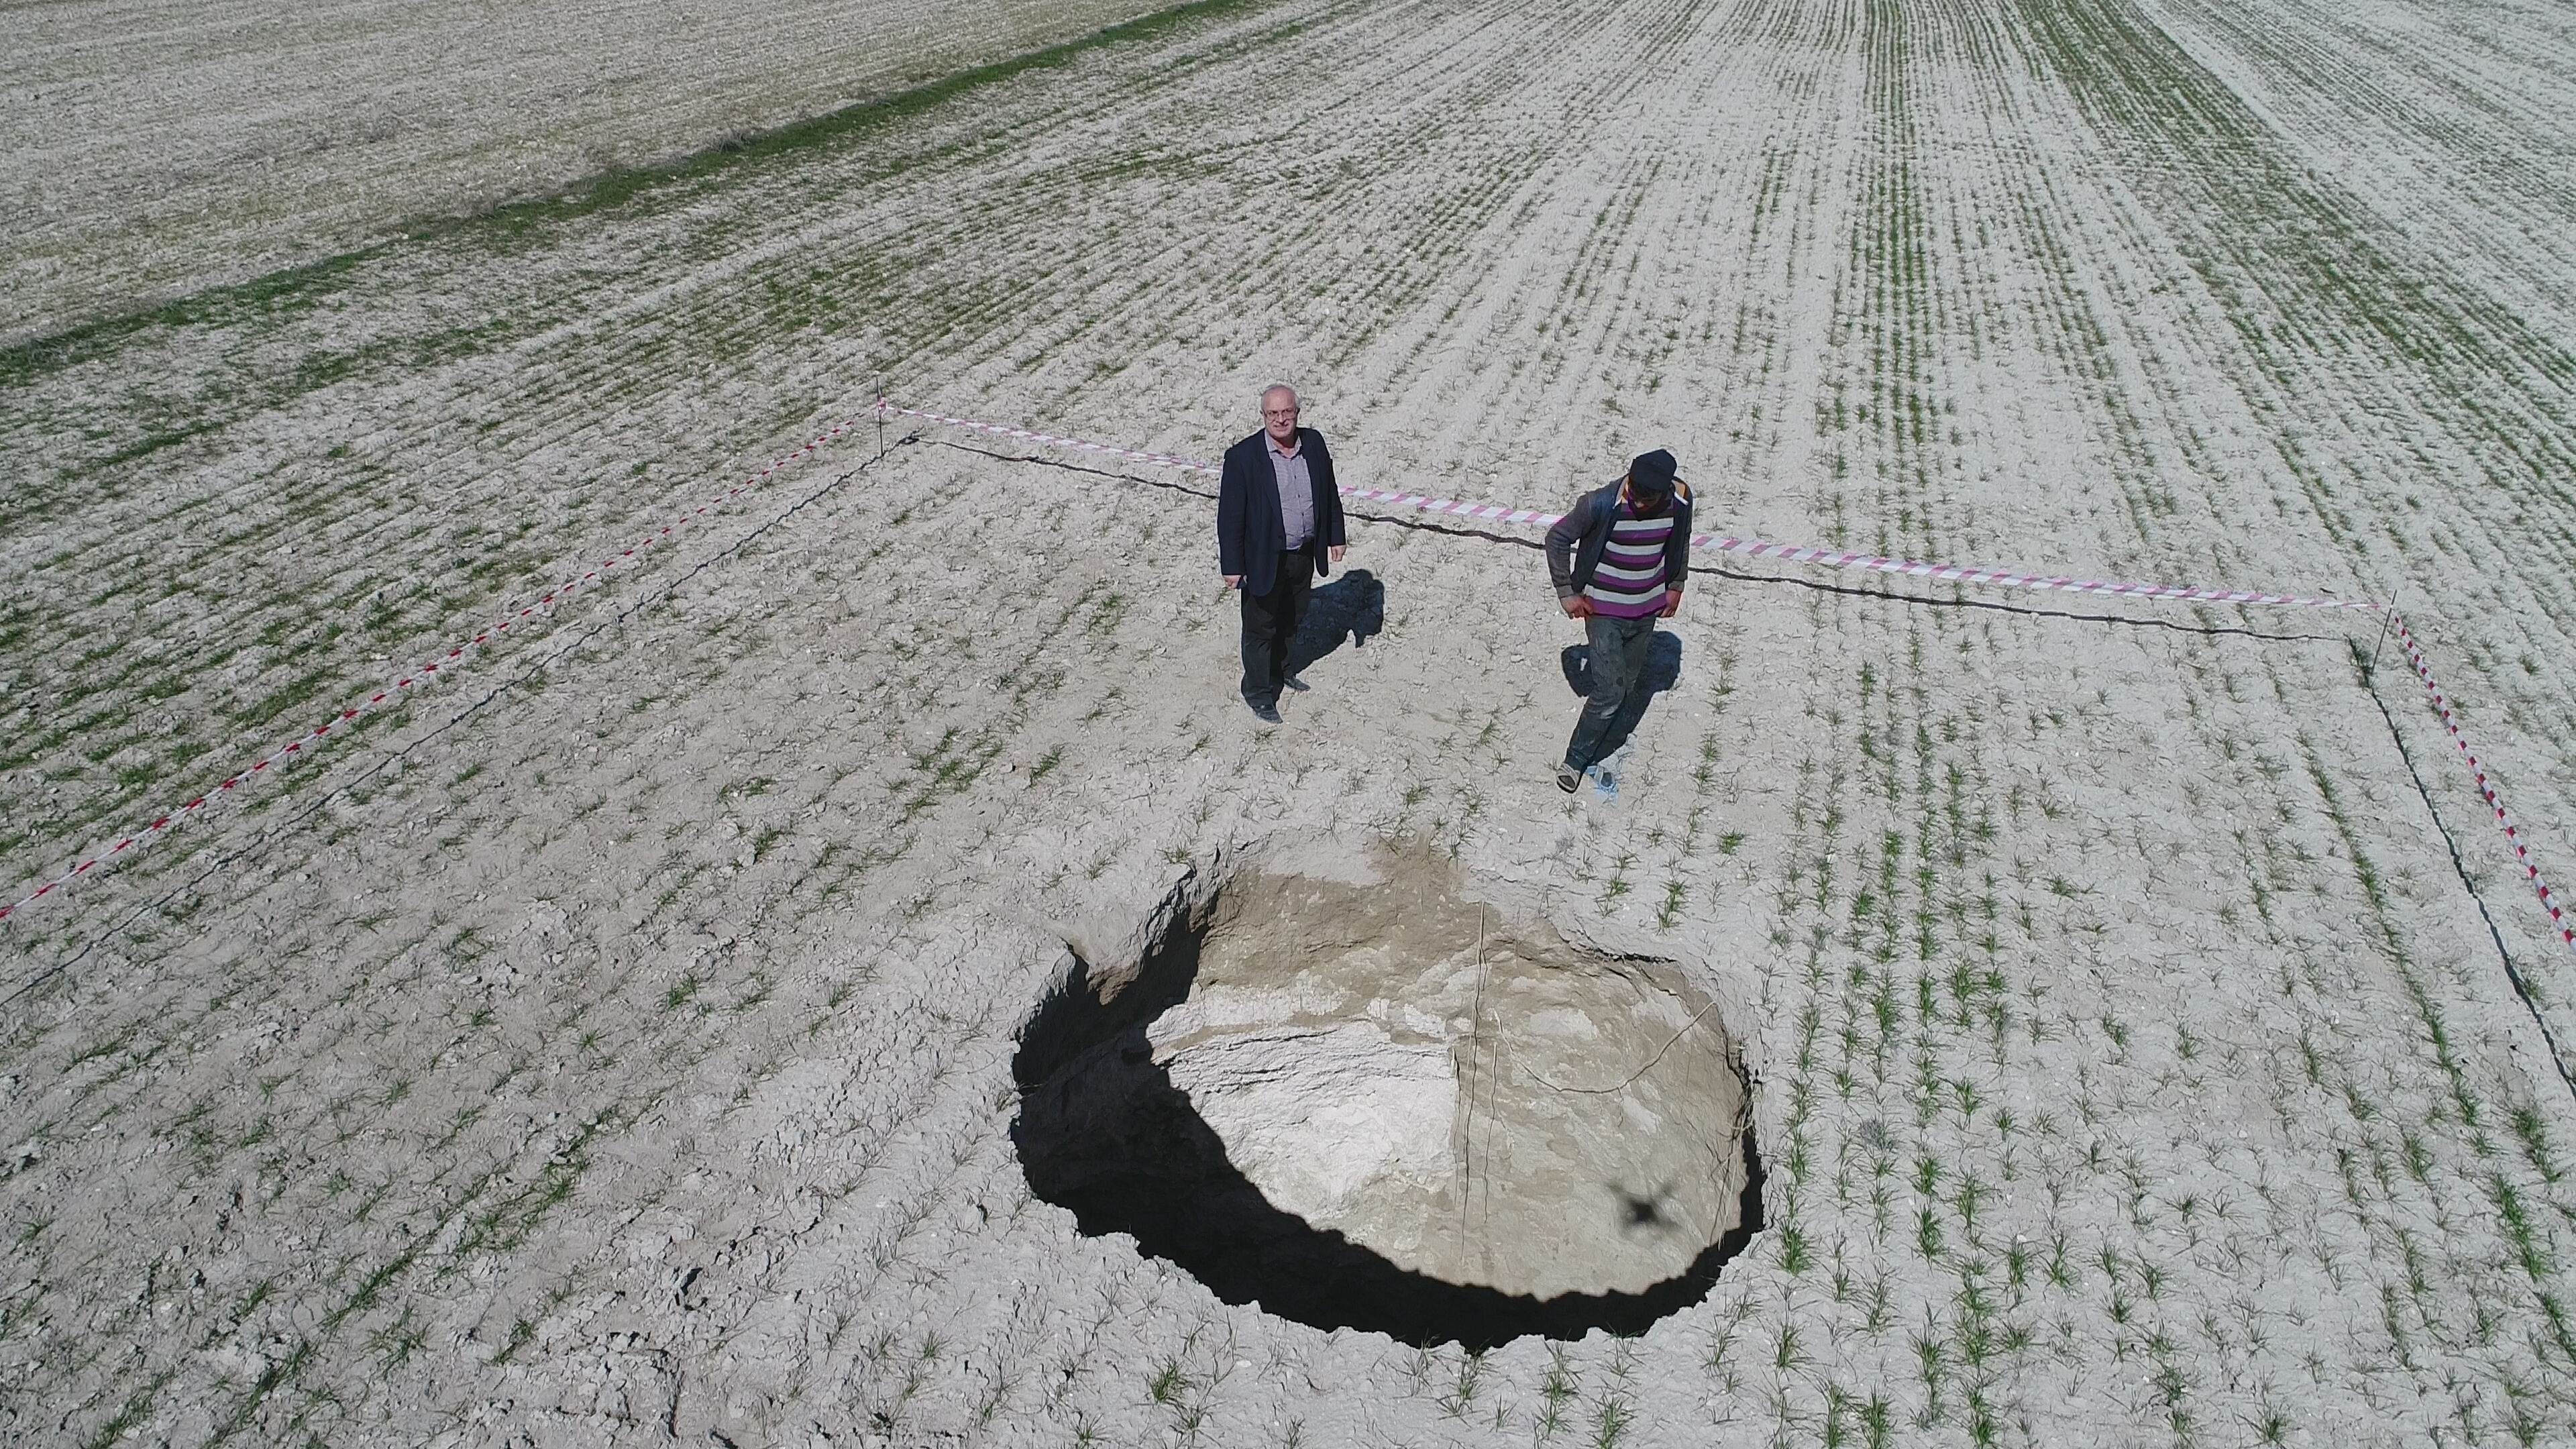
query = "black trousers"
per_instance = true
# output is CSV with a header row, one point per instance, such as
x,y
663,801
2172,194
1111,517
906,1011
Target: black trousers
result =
x,y
1615,657
1270,620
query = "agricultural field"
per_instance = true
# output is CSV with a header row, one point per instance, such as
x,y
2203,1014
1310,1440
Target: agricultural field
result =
x,y
653,1022
156,149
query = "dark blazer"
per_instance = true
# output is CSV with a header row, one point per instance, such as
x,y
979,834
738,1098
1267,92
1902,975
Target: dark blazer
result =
x,y
1574,545
1248,538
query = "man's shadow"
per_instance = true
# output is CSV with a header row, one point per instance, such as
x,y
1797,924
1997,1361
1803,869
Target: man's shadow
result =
x,y
1663,671
1351,607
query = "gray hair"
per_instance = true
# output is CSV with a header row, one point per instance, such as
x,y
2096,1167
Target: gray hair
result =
x,y
1278,387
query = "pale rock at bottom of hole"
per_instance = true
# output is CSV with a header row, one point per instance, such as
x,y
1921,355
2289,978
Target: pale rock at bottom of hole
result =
x,y
1315,1117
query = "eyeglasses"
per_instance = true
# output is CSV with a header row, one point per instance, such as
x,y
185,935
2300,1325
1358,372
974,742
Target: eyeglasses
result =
x,y
1279,412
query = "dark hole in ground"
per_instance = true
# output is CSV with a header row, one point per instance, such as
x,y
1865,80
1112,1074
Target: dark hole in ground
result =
x,y
1106,1131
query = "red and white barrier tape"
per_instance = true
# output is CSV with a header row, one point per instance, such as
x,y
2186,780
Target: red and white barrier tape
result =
x,y
1483,512
1837,558
405,685
2486,788
1749,547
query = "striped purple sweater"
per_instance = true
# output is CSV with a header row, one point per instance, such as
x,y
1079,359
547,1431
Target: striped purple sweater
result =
x,y
1630,583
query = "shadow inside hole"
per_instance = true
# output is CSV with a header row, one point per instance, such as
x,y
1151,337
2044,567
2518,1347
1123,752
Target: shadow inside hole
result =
x,y
1104,1132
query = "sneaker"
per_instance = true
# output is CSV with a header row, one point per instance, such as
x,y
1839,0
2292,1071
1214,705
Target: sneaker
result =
x,y
1567,777
1266,711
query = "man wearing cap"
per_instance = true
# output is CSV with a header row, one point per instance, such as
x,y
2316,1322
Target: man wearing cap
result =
x,y
1618,559
1278,521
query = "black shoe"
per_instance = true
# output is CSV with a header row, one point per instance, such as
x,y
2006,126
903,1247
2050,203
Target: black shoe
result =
x,y
1567,777
1264,710
1293,682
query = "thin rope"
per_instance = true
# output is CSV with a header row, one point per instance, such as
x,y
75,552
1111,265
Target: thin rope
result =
x,y
1475,1028
1632,1076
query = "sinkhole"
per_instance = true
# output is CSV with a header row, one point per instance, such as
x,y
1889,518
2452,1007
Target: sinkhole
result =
x,y
1379,1104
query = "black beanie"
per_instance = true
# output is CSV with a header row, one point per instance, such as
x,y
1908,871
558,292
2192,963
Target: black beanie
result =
x,y
1653,472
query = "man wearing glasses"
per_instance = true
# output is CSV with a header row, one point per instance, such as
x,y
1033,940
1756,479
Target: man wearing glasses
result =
x,y
1278,522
